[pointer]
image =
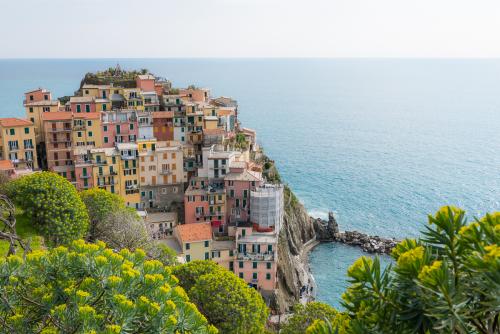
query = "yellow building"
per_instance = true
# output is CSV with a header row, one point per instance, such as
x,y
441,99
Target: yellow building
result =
x,y
97,91
18,143
133,98
106,170
129,176
87,130
195,241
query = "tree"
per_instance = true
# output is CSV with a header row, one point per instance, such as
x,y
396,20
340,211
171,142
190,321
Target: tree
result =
x,y
123,229
446,282
305,315
52,204
100,204
226,300
88,288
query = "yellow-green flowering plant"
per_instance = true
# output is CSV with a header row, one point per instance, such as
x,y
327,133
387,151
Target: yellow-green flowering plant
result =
x,y
448,281
88,288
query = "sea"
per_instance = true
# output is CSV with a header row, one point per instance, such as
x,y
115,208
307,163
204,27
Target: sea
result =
x,y
380,142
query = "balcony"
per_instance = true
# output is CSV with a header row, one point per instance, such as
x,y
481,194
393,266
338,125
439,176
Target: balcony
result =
x,y
199,214
267,256
106,183
81,176
128,157
13,148
165,172
80,127
59,129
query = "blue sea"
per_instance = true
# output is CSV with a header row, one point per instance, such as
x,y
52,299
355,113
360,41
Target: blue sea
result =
x,y
381,142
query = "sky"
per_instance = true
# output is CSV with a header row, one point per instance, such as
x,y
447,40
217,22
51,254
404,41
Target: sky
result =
x,y
249,28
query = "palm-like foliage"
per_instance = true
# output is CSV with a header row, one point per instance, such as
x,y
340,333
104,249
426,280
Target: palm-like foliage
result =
x,y
446,282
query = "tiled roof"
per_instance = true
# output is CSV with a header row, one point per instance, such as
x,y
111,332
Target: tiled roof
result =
x,y
14,122
194,232
56,116
6,165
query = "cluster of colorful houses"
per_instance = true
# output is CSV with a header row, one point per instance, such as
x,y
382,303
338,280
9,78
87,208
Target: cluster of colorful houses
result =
x,y
179,156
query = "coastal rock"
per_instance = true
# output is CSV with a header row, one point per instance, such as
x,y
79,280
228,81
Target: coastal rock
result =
x,y
328,231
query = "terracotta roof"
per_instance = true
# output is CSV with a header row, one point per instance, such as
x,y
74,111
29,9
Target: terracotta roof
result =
x,y
6,165
56,116
87,115
14,122
194,232
163,114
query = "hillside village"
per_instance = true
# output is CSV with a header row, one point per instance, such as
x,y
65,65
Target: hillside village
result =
x,y
179,156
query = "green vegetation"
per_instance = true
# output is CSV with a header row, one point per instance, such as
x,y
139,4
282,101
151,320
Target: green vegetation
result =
x,y
88,288
26,231
304,316
226,300
115,76
52,205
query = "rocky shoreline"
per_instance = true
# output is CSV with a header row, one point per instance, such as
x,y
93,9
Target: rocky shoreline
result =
x,y
328,231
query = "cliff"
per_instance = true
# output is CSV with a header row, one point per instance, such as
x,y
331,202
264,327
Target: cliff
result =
x,y
296,234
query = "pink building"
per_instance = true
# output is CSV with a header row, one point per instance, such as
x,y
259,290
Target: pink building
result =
x,y
119,126
256,256
145,82
205,202
37,95
81,104
239,183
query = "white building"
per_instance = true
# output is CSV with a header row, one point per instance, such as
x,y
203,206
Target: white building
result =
x,y
266,206
145,122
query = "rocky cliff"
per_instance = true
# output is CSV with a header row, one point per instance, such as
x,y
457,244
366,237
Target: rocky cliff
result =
x,y
296,234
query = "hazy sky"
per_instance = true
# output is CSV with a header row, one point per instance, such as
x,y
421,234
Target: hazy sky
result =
x,y
249,28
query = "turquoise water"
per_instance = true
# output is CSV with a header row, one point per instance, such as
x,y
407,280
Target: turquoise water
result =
x,y
380,142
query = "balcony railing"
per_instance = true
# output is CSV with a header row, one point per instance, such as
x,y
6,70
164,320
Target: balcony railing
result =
x,y
165,172
267,256
81,176
59,129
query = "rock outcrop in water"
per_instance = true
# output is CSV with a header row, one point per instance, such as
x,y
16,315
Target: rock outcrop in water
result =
x,y
328,231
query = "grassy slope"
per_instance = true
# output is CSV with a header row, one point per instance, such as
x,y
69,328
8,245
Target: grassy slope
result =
x,y
26,231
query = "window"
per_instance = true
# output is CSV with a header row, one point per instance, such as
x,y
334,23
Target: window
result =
x,y
206,243
31,109
12,131
87,108
105,139
105,128
254,276
79,134
241,275
254,265
243,232
104,107
188,246
90,133
131,126
207,256
269,248
78,108
32,120
89,123
231,253
240,264
268,265
245,193
268,276
31,97
26,130
188,258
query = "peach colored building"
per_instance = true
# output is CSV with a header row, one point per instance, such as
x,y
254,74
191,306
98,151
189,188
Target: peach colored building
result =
x,y
145,82
58,128
82,104
161,173
17,140
195,94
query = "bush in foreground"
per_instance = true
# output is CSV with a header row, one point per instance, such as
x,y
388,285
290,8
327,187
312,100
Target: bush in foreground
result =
x,y
226,300
88,288
446,282
52,204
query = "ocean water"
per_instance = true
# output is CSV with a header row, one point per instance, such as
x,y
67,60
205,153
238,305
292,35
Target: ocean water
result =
x,y
381,142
